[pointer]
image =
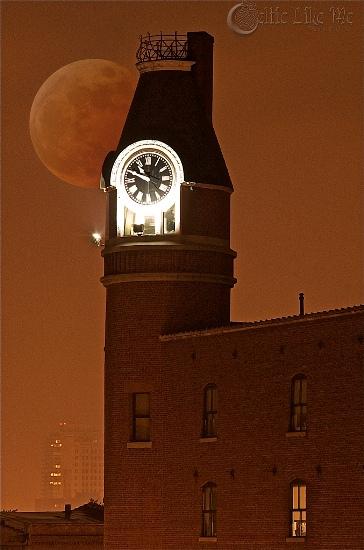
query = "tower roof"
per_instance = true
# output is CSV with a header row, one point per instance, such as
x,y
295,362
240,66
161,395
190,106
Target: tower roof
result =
x,y
173,105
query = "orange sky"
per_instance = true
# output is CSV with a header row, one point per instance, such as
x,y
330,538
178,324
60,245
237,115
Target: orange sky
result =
x,y
288,112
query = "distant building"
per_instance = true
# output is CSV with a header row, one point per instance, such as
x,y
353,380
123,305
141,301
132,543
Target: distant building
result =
x,y
45,530
72,468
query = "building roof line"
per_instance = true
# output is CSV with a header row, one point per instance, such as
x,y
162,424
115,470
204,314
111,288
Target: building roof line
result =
x,y
251,325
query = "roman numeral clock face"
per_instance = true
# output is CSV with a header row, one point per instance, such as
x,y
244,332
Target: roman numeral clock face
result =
x,y
148,178
147,175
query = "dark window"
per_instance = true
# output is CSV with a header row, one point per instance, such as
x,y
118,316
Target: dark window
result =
x,y
298,509
141,417
210,411
209,510
298,403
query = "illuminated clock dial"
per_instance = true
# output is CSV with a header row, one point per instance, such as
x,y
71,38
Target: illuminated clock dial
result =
x,y
148,178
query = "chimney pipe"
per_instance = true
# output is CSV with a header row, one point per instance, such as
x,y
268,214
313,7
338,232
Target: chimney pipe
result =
x,y
302,303
67,511
200,49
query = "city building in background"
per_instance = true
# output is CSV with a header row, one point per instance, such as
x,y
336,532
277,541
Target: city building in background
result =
x,y
72,468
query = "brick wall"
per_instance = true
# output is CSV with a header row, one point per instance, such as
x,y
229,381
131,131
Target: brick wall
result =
x,y
153,495
253,461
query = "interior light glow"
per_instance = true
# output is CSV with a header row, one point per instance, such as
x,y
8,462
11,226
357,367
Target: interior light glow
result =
x,y
96,236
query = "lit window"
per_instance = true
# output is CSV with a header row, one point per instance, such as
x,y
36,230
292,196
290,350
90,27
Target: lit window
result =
x,y
141,417
57,465
298,509
209,510
298,403
210,411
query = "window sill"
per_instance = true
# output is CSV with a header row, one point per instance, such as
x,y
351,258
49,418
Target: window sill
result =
x,y
296,434
207,440
295,539
207,539
139,445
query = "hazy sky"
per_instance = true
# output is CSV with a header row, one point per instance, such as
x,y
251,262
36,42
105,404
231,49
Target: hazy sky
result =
x,y
288,112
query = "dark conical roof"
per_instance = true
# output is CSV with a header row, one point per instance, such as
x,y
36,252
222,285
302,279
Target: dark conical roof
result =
x,y
167,107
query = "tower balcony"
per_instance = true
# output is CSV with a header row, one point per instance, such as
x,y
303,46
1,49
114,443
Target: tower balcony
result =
x,y
162,47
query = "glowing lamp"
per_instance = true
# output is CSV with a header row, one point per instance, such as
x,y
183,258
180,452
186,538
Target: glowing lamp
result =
x,y
96,239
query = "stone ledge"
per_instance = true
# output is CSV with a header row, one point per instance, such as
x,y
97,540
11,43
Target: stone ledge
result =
x,y
296,434
207,539
179,277
164,65
208,439
139,445
295,539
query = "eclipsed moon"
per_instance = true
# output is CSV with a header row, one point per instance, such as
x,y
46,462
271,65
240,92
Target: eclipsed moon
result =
x,y
77,117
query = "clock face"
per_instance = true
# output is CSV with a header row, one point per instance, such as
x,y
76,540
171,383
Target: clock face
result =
x,y
148,178
147,175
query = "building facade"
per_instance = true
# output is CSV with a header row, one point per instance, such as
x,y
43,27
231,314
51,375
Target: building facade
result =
x,y
72,468
240,435
50,530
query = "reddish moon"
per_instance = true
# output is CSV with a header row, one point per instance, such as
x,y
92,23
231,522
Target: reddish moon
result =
x,y
77,117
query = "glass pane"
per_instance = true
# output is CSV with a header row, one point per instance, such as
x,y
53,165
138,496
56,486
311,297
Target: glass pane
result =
x,y
149,225
169,220
294,421
142,429
304,390
208,402
303,528
213,524
296,391
213,498
213,399
141,404
207,525
295,497
210,425
303,418
207,498
303,497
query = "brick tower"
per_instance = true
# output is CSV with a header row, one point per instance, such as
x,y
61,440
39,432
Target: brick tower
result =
x,y
168,269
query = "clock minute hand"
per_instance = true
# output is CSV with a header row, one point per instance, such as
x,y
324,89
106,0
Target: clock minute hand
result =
x,y
142,176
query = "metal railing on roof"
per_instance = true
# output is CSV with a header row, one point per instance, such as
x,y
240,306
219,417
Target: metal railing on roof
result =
x,y
162,46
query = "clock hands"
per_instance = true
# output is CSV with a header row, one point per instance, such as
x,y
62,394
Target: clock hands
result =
x,y
148,183
142,176
146,178
156,183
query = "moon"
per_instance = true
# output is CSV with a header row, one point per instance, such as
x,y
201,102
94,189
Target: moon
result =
x,y
77,117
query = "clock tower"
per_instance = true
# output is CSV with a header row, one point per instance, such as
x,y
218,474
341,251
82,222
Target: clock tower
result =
x,y
168,269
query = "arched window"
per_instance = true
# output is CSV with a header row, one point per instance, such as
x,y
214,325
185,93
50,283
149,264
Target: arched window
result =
x,y
210,411
209,510
298,403
298,509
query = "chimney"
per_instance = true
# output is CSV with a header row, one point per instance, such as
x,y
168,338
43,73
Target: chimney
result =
x,y
301,298
200,49
67,512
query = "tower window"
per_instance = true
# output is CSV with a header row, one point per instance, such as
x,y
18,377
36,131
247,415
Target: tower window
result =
x,y
298,509
141,416
298,404
209,510
210,411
